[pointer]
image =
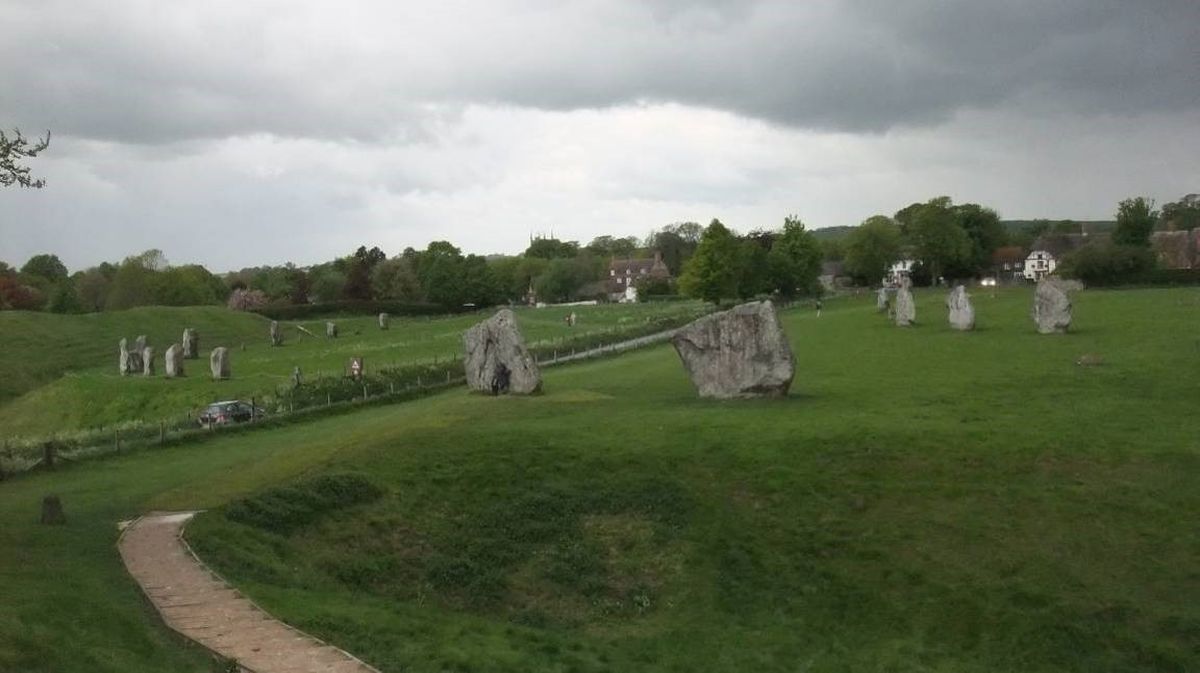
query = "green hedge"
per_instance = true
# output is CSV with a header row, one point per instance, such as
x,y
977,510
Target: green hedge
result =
x,y
394,308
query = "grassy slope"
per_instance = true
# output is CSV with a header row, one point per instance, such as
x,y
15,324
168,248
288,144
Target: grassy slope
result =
x,y
924,501
93,394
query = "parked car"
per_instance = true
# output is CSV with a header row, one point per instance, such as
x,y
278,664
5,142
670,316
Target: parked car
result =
x,y
230,411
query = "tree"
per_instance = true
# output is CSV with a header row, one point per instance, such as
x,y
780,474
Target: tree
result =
x,y
327,283
396,279
712,272
607,246
132,285
551,248
676,243
983,227
794,262
753,273
1182,215
1136,218
47,267
941,243
13,150
92,288
872,248
1107,263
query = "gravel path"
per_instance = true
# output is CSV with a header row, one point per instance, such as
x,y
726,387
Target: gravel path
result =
x,y
195,602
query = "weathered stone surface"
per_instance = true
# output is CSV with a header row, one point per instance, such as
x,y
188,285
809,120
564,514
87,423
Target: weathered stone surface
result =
x,y
906,308
173,361
130,358
962,314
276,334
148,361
383,320
881,300
741,352
297,377
1051,307
218,362
497,361
191,344
140,343
331,330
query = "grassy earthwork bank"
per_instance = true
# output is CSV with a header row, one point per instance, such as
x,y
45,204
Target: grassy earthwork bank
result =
x,y
924,500
64,368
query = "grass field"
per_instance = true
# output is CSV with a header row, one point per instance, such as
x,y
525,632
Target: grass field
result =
x,y
64,372
924,501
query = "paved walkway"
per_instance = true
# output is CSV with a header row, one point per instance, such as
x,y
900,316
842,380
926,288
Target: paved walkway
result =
x,y
198,604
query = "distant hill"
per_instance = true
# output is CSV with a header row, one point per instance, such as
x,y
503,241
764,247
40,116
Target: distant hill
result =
x,y
832,233
1012,226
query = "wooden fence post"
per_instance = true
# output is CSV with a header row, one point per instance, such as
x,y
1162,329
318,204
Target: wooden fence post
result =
x,y
162,433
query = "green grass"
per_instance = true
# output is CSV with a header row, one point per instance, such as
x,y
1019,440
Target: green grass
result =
x,y
924,501
64,367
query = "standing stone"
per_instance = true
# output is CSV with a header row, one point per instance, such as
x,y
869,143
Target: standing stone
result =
x,y
496,358
276,335
742,352
906,309
191,344
962,314
140,343
297,377
383,321
881,300
52,511
173,361
1051,307
123,357
148,361
331,330
133,358
218,362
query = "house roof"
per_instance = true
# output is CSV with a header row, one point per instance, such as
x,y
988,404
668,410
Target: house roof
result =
x,y
1009,254
1061,244
653,266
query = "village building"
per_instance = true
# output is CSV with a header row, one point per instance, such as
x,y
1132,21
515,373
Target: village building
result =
x,y
1008,264
624,275
1048,251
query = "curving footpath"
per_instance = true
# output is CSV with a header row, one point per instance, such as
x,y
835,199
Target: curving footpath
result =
x,y
198,604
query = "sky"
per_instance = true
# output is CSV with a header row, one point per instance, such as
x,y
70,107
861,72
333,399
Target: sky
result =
x,y
238,134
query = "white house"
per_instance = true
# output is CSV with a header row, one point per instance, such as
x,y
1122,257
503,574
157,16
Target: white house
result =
x,y
899,269
1047,252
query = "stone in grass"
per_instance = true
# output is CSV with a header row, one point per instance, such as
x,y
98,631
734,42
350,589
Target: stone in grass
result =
x,y
52,511
881,300
1090,360
739,353
331,330
906,308
961,313
497,361
1051,307
383,321
173,361
148,361
218,362
191,344
276,334
123,357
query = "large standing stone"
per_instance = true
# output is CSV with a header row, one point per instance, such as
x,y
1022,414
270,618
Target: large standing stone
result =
x,y
148,361
1051,307
881,300
218,362
906,308
962,314
140,343
123,357
133,358
496,358
173,361
191,344
331,330
741,352
383,320
276,334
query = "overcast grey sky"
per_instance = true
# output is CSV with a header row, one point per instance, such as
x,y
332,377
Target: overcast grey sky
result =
x,y
243,133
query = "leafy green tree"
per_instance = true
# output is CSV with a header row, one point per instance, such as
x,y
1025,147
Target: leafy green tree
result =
x,y
14,150
794,262
942,245
983,227
396,279
713,271
480,286
46,267
1107,263
607,246
64,299
754,277
676,243
92,288
552,248
327,283
1182,215
188,285
133,284
872,248
1136,218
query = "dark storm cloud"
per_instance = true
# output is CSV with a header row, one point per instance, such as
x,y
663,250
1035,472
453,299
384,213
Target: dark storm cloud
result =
x,y
153,72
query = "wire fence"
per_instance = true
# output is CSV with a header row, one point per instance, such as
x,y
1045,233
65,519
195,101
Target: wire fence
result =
x,y
323,395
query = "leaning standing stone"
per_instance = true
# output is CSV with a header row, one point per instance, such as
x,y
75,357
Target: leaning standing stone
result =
x,y
173,361
383,320
881,300
962,314
218,362
191,344
148,361
742,352
276,335
331,330
496,358
906,308
1051,307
